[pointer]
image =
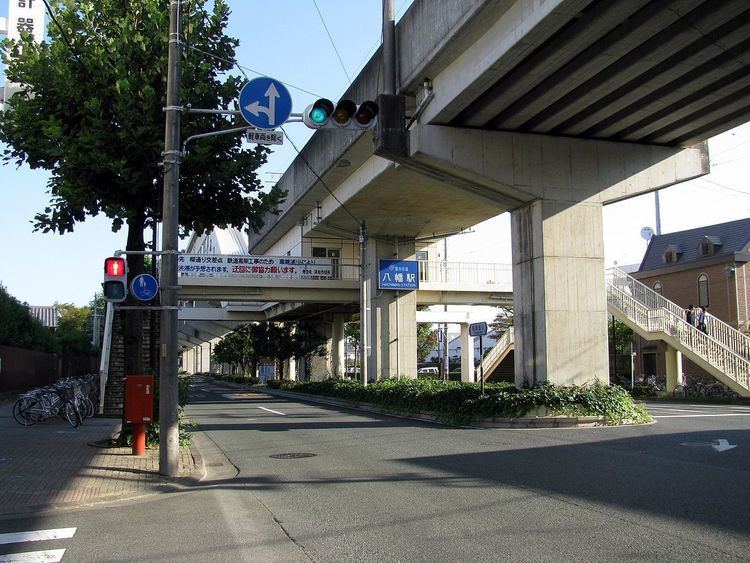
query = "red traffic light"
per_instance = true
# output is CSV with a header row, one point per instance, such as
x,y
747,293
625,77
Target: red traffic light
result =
x,y
366,114
115,267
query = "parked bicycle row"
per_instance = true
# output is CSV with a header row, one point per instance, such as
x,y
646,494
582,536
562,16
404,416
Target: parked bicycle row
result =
x,y
73,399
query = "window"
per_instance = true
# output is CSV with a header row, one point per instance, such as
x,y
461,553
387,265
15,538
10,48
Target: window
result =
x,y
671,254
703,290
658,288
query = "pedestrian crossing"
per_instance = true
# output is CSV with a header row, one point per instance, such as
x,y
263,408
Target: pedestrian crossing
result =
x,y
683,410
47,555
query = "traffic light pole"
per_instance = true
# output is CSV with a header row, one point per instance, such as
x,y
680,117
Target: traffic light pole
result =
x,y
168,431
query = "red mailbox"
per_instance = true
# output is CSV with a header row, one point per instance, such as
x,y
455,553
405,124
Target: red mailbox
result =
x,y
139,408
139,398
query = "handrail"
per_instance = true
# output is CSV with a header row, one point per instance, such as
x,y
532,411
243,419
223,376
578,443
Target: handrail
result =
x,y
665,321
501,345
720,331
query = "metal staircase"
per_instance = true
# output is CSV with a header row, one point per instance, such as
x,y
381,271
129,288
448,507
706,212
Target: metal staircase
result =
x,y
724,352
496,354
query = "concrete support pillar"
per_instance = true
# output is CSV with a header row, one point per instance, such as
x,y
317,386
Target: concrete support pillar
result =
x,y
393,318
559,293
467,354
673,359
337,347
291,369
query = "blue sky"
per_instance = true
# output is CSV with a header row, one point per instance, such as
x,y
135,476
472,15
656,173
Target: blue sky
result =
x,y
285,39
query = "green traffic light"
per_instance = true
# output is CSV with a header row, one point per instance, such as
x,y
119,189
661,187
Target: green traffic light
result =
x,y
318,115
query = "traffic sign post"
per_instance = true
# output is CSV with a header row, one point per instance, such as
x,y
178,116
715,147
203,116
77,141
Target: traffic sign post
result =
x,y
479,329
265,103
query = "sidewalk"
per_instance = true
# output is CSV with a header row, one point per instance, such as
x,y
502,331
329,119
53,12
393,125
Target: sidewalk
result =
x,y
52,465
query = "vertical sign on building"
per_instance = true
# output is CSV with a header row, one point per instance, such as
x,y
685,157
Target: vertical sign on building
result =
x,y
23,15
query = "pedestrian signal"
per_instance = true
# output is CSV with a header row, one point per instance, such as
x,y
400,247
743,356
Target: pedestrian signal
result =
x,y
115,285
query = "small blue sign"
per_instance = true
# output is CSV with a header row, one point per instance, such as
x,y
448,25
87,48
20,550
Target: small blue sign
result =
x,y
265,103
144,287
398,274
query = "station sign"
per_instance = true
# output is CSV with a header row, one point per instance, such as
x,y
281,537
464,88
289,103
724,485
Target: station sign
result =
x,y
398,274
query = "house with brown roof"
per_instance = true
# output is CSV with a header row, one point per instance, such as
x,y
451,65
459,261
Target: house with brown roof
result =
x,y
706,266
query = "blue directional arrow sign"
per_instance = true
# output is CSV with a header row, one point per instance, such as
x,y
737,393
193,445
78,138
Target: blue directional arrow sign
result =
x,y
265,103
144,287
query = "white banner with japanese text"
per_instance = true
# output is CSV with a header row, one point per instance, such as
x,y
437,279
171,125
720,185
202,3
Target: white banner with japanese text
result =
x,y
281,267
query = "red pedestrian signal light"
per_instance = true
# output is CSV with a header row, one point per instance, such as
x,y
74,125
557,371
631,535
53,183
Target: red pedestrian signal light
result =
x,y
115,285
323,114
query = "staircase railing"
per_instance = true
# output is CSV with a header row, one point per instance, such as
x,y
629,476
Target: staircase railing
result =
x,y
665,321
720,331
501,345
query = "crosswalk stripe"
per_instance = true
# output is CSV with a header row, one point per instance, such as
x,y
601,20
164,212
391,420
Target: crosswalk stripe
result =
x,y
38,535
48,556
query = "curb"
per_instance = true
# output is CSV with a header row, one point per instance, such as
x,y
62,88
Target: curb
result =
x,y
512,423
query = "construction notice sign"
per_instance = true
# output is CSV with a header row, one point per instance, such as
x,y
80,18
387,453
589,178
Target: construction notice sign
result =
x,y
281,267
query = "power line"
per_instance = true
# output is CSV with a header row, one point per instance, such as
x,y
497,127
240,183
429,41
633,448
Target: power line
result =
x,y
344,207
322,19
239,66
722,186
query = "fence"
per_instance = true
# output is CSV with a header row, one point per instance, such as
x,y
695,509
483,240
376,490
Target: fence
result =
x,y
22,369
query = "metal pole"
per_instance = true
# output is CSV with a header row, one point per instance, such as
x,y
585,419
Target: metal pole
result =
x,y
657,208
168,431
363,316
481,364
389,47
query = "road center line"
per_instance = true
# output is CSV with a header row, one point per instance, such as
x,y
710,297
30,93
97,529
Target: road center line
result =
x,y
49,556
274,412
39,535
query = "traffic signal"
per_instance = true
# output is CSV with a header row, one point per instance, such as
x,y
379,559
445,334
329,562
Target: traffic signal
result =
x,y
115,284
344,115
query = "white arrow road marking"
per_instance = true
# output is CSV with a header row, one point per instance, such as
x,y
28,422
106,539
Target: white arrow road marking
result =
x,y
274,412
719,445
39,535
270,110
722,445
49,556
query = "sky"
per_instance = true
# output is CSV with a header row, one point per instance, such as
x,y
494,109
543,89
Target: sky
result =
x,y
287,40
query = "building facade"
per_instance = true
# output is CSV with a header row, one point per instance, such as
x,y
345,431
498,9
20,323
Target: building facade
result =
x,y
706,266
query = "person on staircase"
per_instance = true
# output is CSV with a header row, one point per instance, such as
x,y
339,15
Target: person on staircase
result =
x,y
701,321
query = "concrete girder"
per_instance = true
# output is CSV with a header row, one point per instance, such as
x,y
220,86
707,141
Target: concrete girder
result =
x,y
566,169
219,314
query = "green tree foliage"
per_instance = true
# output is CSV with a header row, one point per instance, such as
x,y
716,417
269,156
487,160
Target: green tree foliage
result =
x,y
73,332
426,341
503,321
20,330
236,349
246,345
93,117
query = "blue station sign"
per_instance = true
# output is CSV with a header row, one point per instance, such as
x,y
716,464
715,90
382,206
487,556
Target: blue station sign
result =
x,y
398,274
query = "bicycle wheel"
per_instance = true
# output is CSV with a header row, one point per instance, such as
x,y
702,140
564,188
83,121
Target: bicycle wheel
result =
x,y
24,411
71,414
88,408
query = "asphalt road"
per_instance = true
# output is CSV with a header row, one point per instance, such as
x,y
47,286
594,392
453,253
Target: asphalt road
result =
x,y
379,488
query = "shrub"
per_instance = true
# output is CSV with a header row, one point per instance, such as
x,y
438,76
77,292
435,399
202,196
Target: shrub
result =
x,y
463,402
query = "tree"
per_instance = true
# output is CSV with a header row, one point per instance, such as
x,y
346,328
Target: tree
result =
x,y
236,349
72,329
503,321
19,329
92,115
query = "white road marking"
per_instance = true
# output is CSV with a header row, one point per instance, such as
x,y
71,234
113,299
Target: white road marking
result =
x,y
39,535
699,415
274,412
48,556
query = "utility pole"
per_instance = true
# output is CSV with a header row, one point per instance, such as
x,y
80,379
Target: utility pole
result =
x,y
168,432
657,209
